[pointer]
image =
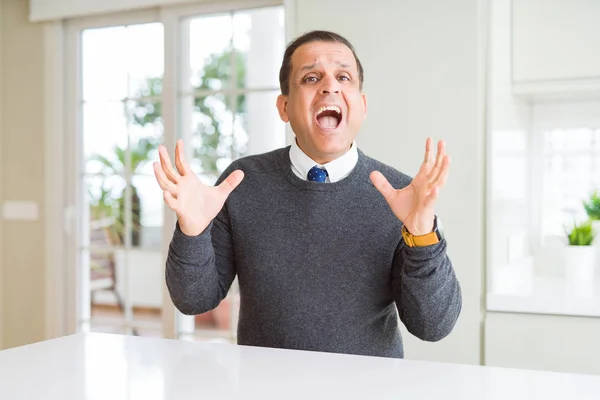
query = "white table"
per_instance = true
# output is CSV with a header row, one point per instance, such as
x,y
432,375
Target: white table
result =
x,y
99,366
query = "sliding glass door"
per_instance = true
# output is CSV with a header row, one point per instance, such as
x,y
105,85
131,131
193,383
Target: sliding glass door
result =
x,y
207,75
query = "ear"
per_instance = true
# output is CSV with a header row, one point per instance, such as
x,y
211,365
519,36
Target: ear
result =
x,y
282,108
364,102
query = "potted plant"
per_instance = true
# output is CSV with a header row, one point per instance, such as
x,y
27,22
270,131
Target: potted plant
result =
x,y
592,208
579,254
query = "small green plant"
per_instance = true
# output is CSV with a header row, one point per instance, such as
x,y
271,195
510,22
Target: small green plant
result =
x,y
592,206
581,235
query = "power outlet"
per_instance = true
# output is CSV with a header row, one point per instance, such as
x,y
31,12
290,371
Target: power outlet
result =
x,y
20,211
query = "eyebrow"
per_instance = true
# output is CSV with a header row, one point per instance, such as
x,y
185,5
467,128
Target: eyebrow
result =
x,y
313,65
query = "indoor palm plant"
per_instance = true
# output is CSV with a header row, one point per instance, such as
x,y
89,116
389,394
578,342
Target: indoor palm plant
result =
x,y
105,206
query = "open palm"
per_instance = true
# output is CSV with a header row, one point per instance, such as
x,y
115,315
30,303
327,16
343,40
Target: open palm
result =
x,y
195,203
414,204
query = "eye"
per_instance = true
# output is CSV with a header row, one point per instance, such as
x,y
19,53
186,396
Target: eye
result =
x,y
344,78
310,79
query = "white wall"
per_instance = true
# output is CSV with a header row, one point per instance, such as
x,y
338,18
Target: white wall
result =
x,y
423,76
22,164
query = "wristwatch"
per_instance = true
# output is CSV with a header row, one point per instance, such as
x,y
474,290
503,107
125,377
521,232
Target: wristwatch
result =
x,y
428,239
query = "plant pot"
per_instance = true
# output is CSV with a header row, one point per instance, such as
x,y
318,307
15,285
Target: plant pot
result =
x,y
580,262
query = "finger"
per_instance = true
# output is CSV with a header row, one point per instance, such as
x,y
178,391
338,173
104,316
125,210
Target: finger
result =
x,y
382,184
440,179
231,182
441,152
428,159
170,201
165,162
180,162
163,181
427,151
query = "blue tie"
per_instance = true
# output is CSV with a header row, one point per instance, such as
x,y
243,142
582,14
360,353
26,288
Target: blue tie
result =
x,y
317,174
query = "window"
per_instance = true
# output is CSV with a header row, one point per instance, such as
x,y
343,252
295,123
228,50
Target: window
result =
x,y
122,104
121,128
571,173
229,88
230,85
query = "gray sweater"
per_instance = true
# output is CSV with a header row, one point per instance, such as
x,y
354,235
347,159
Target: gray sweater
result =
x,y
321,266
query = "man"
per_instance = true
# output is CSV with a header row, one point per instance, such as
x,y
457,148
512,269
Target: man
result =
x,y
327,252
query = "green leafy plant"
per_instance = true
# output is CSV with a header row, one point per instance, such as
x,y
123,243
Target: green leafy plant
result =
x,y
592,206
581,234
105,206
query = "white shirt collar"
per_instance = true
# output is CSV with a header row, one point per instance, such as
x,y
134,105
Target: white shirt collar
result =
x,y
337,169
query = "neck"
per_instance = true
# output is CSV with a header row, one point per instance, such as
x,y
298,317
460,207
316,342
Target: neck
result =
x,y
322,159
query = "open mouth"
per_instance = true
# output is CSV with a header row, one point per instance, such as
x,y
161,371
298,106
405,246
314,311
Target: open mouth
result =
x,y
329,117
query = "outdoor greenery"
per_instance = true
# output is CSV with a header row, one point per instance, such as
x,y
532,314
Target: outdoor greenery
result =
x,y
215,144
105,206
216,75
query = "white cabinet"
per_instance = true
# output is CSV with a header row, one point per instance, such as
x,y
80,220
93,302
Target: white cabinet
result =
x,y
543,342
556,40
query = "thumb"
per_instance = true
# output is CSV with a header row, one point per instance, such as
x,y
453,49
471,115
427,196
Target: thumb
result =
x,y
231,182
382,184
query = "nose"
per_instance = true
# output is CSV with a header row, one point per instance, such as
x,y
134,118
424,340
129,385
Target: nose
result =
x,y
330,85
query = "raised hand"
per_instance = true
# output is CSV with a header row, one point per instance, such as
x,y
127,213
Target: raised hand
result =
x,y
195,203
414,204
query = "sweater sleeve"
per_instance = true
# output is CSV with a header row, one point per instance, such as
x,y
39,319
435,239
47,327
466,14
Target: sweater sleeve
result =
x,y
426,290
200,269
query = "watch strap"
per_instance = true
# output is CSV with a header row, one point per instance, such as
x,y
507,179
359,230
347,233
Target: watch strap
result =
x,y
421,240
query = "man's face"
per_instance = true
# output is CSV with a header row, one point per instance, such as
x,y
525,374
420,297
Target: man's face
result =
x,y
325,106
